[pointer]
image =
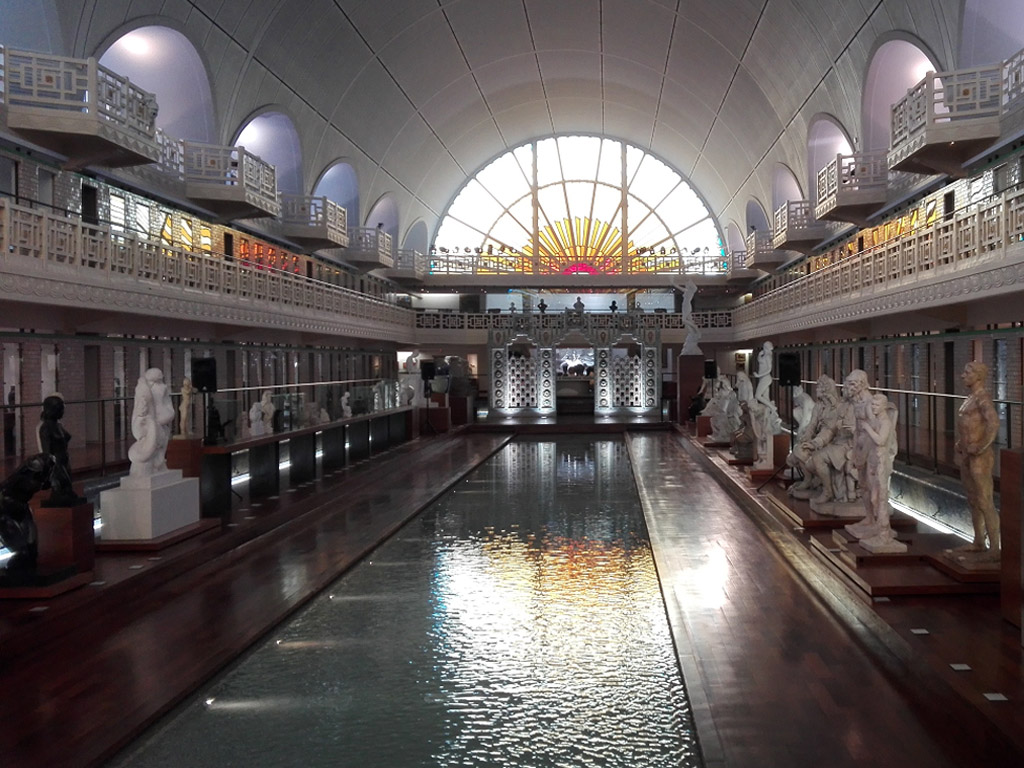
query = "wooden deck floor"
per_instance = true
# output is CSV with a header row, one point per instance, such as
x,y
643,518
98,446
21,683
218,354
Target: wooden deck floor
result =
x,y
785,667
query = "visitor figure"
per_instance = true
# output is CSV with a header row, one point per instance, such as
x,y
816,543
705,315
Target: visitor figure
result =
x,y
977,426
185,409
542,307
53,441
614,306
578,305
17,526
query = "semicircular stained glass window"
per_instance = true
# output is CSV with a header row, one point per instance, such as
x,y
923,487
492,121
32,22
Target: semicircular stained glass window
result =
x,y
578,204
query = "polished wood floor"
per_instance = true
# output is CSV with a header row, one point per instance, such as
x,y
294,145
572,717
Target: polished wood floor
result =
x,y
784,665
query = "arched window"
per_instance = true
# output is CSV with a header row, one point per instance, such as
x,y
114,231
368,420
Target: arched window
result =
x,y
339,184
581,204
164,62
272,137
825,140
896,66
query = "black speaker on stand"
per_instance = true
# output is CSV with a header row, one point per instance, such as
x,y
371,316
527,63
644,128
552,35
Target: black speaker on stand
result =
x,y
710,369
204,379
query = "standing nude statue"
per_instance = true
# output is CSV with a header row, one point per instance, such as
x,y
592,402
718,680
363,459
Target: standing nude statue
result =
x,y
185,409
977,426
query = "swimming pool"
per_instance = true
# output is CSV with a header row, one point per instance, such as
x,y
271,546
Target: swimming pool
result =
x,y
518,621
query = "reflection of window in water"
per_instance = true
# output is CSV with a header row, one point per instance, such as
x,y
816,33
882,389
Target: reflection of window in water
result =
x,y
1001,387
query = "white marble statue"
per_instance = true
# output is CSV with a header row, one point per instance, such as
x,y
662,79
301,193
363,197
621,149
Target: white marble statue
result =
x,y
144,430
724,411
267,406
874,451
803,411
185,408
762,391
346,409
325,417
824,453
164,412
691,345
412,363
256,426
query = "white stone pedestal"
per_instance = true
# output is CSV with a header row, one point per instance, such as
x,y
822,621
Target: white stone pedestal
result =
x,y
149,507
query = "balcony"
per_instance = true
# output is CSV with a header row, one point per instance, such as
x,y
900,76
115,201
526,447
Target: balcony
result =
x,y
738,272
314,222
410,268
229,181
78,109
761,254
369,248
796,229
852,187
946,119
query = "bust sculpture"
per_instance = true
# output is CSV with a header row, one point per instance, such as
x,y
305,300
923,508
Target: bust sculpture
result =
x,y
977,426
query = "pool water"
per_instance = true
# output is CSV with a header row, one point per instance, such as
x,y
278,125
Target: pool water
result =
x,y
518,621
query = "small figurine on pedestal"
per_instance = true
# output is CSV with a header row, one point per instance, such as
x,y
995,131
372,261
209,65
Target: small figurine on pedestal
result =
x,y
185,408
53,440
346,409
267,405
256,425
977,426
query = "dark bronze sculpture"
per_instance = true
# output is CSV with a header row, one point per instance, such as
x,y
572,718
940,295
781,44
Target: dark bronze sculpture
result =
x,y
17,527
53,440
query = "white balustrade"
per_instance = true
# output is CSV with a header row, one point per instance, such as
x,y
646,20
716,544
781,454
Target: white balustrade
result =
x,y
64,247
211,170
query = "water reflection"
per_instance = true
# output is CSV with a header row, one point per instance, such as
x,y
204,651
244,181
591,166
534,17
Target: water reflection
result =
x,y
516,622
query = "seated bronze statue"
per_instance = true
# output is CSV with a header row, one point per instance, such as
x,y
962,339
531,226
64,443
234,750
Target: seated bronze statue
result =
x,y
17,527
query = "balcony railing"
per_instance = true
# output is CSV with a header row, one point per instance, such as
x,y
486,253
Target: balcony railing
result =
x,y
852,186
796,228
58,247
315,221
369,248
78,107
972,238
410,267
230,180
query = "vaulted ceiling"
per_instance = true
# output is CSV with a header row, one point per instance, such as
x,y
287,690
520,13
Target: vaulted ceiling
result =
x,y
418,94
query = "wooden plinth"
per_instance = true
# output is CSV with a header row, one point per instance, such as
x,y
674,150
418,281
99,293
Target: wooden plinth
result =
x,y
703,426
45,585
66,537
160,542
186,455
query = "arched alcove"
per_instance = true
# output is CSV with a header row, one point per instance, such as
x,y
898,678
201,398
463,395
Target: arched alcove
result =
x,y
785,186
272,136
164,62
417,238
993,30
340,184
734,237
896,66
385,212
756,217
826,138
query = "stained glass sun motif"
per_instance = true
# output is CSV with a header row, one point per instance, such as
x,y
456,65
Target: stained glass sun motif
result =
x,y
561,206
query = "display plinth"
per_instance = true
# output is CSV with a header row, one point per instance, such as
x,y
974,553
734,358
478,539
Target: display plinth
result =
x,y
1011,594
185,454
43,584
66,538
149,507
703,426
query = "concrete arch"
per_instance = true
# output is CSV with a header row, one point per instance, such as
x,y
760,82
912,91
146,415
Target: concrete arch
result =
x,y
270,133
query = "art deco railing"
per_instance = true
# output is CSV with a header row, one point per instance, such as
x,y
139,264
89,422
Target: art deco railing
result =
x,y
859,173
313,216
975,237
487,321
67,246
655,261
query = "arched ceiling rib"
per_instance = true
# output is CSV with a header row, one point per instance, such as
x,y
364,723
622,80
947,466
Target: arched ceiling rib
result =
x,y
421,93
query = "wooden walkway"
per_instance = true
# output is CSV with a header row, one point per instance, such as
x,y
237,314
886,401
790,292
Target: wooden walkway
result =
x,y
784,665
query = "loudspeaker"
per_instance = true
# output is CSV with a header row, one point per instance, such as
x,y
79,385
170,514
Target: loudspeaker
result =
x,y
204,374
427,370
789,369
710,369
